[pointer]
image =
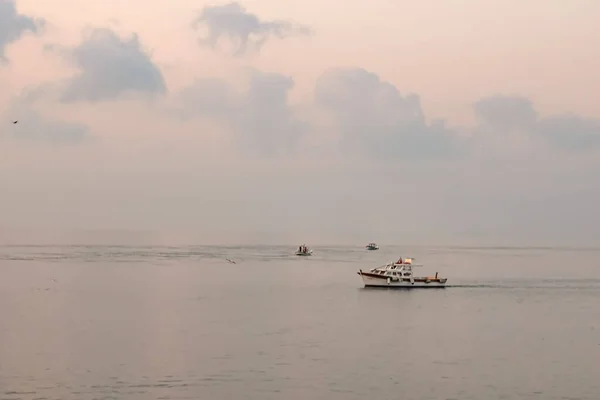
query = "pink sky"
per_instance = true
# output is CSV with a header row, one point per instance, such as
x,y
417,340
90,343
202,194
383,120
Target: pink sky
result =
x,y
451,53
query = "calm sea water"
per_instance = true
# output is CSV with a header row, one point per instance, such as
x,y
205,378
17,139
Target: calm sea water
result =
x,y
93,322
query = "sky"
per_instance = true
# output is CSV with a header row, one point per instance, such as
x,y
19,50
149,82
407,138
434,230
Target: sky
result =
x,y
400,121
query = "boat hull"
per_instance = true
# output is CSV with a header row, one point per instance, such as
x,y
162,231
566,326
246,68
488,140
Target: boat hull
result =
x,y
375,280
304,254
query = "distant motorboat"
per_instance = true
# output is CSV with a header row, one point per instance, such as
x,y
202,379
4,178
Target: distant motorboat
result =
x,y
304,251
399,274
372,246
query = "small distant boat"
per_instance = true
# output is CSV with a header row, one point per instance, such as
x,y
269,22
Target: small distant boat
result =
x,y
400,274
372,246
304,251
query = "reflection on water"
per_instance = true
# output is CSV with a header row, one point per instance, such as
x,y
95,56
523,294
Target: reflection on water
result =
x,y
183,323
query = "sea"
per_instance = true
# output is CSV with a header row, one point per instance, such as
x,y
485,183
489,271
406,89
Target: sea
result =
x,y
183,322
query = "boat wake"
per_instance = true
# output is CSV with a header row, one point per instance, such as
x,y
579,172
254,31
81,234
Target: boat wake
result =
x,y
569,285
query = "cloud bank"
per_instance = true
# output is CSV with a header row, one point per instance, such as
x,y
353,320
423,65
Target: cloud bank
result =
x,y
371,119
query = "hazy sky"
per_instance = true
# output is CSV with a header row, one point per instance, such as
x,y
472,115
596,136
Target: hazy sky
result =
x,y
328,121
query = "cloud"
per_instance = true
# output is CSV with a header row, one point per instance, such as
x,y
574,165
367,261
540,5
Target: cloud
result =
x,y
13,26
506,112
503,114
570,132
111,66
210,97
260,117
375,119
372,119
246,30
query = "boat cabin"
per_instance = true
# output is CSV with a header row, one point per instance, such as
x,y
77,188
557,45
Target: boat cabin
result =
x,y
400,268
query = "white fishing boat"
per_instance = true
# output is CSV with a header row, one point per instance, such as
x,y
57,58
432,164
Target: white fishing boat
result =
x,y
400,274
304,251
372,246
